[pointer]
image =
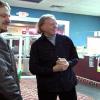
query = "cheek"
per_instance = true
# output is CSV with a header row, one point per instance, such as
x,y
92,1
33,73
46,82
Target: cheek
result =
x,y
1,21
42,28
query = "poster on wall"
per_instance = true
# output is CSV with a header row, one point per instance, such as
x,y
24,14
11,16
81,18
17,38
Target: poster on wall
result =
x,y
92,45
98,64
61,29
91,61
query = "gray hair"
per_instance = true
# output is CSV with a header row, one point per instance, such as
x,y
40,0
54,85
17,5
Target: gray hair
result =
x,y
42,20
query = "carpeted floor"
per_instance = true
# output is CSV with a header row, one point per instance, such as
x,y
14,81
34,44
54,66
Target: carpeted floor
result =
x,y
29,91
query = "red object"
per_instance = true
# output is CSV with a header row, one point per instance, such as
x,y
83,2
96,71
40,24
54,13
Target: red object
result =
x,y
84,70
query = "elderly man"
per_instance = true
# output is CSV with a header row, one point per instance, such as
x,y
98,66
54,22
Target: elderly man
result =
x,y
52,58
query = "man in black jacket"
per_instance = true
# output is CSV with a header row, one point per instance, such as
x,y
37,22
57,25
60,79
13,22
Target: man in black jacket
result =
x,y
52,58
9,83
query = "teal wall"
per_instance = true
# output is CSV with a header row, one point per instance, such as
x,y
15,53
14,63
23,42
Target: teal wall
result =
x,y
81,26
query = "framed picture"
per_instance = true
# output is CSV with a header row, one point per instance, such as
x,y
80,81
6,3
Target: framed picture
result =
x,y
63,27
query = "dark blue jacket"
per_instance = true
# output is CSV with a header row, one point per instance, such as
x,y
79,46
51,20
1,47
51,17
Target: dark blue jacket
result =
x,y
43,56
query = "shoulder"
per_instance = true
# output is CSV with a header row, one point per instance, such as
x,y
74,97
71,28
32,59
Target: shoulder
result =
x,y
36,42
3,44
3,40
64,37
3,65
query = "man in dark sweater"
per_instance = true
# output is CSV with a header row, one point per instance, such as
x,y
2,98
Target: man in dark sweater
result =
x,y
52,58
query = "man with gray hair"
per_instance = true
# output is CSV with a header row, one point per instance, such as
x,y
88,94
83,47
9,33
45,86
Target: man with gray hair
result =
x,y
52,58
9,83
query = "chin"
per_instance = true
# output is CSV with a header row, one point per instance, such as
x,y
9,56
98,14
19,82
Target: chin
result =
x,y
3,30
53,33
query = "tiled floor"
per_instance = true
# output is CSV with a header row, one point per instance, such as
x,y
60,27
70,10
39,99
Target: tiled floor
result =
x,y
29,91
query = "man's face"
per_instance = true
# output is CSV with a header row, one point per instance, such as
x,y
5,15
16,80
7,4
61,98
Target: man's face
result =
x,y
4,19
49,27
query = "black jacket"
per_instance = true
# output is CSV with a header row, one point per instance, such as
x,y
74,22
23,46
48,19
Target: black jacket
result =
x,y
43,56
9,83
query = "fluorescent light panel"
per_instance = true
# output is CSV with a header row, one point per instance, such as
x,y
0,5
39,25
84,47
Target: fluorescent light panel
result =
x,y
36,1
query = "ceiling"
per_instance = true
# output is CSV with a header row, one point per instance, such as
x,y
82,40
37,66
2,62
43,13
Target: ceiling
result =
x,y
86,7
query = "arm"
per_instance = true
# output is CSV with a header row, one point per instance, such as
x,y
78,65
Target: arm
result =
x,y
73,57
63,64
34,63
8,86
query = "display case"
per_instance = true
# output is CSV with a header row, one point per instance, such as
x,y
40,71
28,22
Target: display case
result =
x,y
89,59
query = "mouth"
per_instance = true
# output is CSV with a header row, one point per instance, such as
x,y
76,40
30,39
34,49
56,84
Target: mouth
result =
x,y
6,24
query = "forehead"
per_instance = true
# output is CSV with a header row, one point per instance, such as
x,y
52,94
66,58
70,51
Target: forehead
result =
x,y
50,20
4,10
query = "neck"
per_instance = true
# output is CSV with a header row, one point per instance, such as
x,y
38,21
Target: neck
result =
x,y
50,35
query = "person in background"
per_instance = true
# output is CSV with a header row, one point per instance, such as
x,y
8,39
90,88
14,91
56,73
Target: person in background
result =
x,y
9,83
52,58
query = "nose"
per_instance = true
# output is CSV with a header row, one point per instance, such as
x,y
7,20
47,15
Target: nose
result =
x,y
8,18
55,26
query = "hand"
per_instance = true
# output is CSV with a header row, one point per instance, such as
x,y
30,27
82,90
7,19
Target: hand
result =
x,y
62,61
61,65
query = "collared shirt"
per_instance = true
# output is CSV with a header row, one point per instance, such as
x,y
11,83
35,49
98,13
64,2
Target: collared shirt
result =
x,y
52,39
